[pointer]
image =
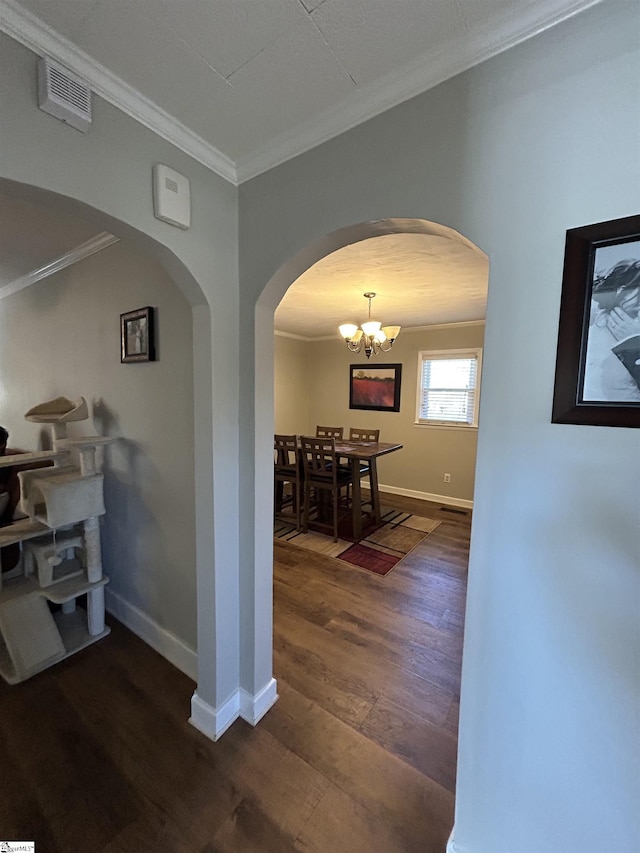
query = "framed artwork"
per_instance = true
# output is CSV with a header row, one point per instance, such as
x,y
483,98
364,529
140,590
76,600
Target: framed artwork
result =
x,y
598,358
137,336
375,387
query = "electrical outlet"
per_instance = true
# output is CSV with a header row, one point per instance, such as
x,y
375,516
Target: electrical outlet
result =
x,y
447,478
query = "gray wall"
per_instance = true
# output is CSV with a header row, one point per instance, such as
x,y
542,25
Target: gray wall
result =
x,y
60,337
312,387
104,176
511,154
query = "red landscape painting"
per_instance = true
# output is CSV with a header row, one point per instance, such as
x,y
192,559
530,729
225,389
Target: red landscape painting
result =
x,y
375,387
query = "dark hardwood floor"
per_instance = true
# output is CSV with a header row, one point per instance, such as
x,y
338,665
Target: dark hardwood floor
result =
x,y
358,754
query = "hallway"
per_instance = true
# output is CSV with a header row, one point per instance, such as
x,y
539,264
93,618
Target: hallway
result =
x,y
357,755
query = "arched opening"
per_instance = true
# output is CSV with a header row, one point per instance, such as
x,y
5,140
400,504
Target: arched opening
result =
x,y
266,305
142,269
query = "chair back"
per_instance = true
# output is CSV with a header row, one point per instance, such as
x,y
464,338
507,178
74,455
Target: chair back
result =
x,y
285,452
329,432
319,457
356,434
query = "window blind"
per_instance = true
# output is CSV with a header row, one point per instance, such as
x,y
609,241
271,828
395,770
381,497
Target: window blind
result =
x,y
448,389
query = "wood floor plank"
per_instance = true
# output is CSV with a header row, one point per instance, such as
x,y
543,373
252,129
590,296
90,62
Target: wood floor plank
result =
x,y
358,754
415,806
153,830
21,815
155,754
316,681
400,635
431,750
342,825
442,632
398,639
453,718
362,670
67,764
250,830
277,780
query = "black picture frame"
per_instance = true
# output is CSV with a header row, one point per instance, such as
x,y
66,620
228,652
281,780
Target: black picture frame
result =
x,y
137,335
375,387
597,378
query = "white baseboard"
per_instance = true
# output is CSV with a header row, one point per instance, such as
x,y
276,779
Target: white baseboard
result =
x,y
213,722
253,708
164,642
427,496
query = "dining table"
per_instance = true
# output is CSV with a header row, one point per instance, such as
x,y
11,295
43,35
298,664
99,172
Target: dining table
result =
x,y
368,452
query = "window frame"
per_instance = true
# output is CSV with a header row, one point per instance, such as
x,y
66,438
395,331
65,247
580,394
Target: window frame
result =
x,y
442,354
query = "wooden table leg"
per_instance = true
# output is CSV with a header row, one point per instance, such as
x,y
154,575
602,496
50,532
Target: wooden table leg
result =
x,y
356,507
375,494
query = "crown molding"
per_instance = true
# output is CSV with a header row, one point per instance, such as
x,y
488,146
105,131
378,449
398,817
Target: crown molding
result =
x,y
291,335
407,329
84,250
422,74
413,79
454,325
30,31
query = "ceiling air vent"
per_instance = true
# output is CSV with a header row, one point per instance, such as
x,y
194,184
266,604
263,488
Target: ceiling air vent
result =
x,y
63,95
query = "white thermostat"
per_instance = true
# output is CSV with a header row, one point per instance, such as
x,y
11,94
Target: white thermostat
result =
x,y
171,196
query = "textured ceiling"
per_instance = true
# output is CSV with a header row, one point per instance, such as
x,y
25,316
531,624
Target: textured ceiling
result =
x,y
261,80
418,279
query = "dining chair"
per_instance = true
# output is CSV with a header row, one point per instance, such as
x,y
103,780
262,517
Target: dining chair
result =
x,y
370,469
357,434
329,432
322,473
287,469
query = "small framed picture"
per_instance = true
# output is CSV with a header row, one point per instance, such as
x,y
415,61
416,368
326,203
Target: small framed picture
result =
x,y
598,358
376,388
137,335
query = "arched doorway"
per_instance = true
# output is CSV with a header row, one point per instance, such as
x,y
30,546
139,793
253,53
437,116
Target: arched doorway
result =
x,y
202,666
266,304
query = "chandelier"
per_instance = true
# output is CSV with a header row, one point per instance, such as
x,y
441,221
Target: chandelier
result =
x,y
372,337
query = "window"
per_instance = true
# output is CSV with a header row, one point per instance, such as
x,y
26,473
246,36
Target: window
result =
x,y
448,386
